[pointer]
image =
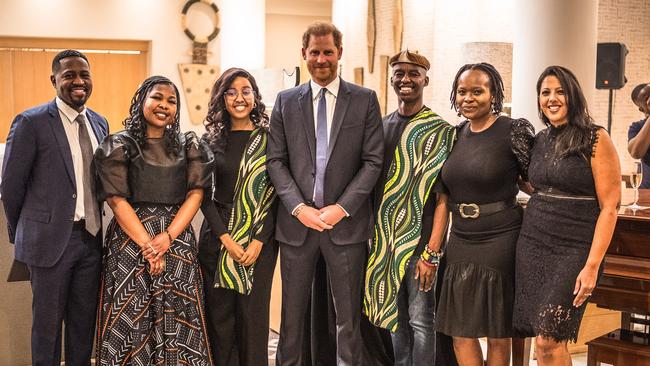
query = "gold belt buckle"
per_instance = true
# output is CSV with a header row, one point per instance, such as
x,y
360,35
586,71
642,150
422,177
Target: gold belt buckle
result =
x,y
473,206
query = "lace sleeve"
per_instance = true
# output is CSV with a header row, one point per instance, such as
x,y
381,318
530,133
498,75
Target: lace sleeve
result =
x,y
522,138
594,138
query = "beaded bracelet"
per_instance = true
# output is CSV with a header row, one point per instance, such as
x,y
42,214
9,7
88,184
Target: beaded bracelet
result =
x,y
430,257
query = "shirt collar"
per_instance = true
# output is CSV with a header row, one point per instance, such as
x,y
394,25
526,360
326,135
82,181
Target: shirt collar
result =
x,y
332,87
68,111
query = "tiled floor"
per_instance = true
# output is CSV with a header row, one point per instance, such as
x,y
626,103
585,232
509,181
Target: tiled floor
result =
x,y
579,359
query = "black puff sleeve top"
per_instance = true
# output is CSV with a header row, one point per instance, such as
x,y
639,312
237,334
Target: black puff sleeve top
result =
x,y
149,173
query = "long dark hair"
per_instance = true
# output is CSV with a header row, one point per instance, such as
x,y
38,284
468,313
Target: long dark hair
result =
x,y
135,123
496,85
218,123
575,137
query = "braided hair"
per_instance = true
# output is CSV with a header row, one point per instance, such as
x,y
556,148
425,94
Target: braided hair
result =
x,y
496,85
576,137
136,125
217,122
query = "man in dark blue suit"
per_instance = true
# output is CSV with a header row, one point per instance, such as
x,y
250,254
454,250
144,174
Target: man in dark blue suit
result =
x,y
53,216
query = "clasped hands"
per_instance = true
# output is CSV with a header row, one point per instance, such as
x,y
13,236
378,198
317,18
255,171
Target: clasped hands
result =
x,y
324,219
236,251
154,250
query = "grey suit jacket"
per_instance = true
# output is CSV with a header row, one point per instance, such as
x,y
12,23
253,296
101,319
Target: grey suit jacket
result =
x,y
354,164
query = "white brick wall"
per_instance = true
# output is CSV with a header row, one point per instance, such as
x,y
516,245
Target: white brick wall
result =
x,y
626,21
450,35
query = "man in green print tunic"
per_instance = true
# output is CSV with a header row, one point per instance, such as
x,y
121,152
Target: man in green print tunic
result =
x,y
411,219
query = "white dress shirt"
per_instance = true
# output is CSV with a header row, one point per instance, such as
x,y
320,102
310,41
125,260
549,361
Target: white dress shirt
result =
x,y
68,116
330,99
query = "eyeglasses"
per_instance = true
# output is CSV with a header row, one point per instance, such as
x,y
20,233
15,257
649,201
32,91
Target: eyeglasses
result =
x,y
246,93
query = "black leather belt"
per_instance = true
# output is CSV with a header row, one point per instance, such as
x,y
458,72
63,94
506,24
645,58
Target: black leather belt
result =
x,y
473,210
79,225
557,193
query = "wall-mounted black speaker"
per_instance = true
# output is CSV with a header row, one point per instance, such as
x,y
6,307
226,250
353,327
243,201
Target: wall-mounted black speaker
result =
x,y
610,66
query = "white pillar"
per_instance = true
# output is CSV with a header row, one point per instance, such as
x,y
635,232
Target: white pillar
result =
x,y
552,32
243,34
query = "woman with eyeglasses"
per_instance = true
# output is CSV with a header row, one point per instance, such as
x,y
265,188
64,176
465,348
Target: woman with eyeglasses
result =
x,y
237,251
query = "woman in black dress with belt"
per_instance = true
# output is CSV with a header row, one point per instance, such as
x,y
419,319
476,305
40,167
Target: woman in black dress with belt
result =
x,y
569,220
481,176
237,251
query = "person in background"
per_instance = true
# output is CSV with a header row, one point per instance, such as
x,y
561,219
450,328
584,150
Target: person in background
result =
x,y
411,220
481,175
569,219
152,176
53,216
324,153
236,243
638,135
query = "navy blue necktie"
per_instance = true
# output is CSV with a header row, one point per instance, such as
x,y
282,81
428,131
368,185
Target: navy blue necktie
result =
x,y
321,149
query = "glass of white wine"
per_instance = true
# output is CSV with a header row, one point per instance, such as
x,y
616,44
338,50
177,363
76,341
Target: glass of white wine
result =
x,y
636,176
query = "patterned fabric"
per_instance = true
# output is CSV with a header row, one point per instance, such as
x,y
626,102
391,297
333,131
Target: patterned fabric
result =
x,y
151,320
254,195
423,148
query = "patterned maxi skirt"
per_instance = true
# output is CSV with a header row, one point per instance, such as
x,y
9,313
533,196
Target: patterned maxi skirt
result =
x,y
151,320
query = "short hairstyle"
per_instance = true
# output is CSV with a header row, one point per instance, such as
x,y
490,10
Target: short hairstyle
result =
x,y
56,61
322,29
637,90
496,85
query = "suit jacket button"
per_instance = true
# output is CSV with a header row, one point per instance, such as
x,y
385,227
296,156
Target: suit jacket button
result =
x,y
74,195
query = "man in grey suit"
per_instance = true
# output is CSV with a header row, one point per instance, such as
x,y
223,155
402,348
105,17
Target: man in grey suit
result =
x,y
53,214
325,154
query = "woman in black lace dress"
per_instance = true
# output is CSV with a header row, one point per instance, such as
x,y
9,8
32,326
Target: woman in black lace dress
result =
x,y
481,176
569,220
152,176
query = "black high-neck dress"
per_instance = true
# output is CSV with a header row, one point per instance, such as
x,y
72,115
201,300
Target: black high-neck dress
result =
x,y
477,288
555,240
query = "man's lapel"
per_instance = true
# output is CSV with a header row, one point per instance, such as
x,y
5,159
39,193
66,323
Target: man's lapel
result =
x,y
96,126
341,107
306,106
61,139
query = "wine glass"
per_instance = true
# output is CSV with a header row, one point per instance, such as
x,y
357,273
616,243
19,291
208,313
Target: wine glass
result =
x,y
636,176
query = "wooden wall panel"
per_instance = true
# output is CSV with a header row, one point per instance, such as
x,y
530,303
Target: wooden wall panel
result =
x,y
7,100
115,79
25,76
